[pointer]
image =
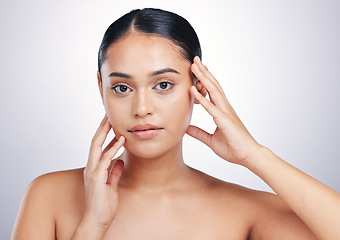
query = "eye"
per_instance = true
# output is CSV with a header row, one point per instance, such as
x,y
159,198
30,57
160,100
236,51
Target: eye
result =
x,y
120,89
163,86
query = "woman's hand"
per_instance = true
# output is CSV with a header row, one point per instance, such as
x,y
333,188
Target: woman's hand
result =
x,y
101,195
231,140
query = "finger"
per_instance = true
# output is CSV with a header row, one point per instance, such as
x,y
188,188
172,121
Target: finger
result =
x,y
110,145
115,174
206,72
101,133
207,105
110,152
97,143
218,115
102,124
202,78
199,134
202,90
109,155
216,93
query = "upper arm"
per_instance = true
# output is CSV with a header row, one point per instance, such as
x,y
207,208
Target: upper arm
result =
x,y
277,221
35,218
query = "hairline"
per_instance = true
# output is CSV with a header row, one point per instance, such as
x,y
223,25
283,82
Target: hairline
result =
x,y
133,30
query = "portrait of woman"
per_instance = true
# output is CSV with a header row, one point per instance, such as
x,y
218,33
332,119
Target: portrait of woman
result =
x,y
138,183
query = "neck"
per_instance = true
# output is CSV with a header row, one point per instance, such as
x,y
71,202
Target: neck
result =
x,y
154,174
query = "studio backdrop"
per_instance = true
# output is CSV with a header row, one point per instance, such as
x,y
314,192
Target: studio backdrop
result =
x,y
277,61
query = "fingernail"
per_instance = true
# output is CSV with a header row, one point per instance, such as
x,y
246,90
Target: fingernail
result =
x,y
196,66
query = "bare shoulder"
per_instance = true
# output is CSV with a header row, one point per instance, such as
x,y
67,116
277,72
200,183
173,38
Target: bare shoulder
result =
x,y
59,176
42,201
54,186
59,180
253,200
233,191
266,215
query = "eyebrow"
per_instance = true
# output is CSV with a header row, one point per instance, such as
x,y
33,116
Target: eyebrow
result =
x,y
155,73
165,70
120,75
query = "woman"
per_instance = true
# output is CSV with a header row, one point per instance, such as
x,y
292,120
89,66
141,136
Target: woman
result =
x,y
149,76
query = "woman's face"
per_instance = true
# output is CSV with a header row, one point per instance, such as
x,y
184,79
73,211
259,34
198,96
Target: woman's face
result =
x,y
145,90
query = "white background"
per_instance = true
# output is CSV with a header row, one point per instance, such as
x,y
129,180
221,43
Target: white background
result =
x,y
278,62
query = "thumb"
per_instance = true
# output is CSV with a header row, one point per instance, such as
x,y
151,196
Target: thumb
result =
x,y
199,134
115,174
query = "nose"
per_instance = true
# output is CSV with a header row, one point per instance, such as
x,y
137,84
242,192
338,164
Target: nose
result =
x,y
143,105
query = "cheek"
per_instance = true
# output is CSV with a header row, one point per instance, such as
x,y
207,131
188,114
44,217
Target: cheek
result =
x,y
117,114
178,110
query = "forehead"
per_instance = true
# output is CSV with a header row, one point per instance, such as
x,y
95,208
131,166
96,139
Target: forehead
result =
x,y
144,51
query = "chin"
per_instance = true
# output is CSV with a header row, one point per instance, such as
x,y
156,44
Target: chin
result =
x,y
151,149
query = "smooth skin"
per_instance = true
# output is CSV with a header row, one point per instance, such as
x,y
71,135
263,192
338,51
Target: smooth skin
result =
x,y
149,193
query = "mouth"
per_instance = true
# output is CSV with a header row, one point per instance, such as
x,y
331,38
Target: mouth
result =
x,y
146,131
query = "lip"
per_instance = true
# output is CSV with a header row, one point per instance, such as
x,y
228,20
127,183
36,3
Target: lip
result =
x,y
146,131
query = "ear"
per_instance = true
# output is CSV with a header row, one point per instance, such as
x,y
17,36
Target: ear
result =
x,y
201,89
100,86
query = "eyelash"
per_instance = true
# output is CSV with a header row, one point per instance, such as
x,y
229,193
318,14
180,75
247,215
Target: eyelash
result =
x,y
169,84
117,88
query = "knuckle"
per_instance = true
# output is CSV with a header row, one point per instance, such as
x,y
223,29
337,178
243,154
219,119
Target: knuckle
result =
x,y
92,177
89,175
86,173
86,176
94,142
204,68
214,89
105,154
200,96
95,147
108,155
